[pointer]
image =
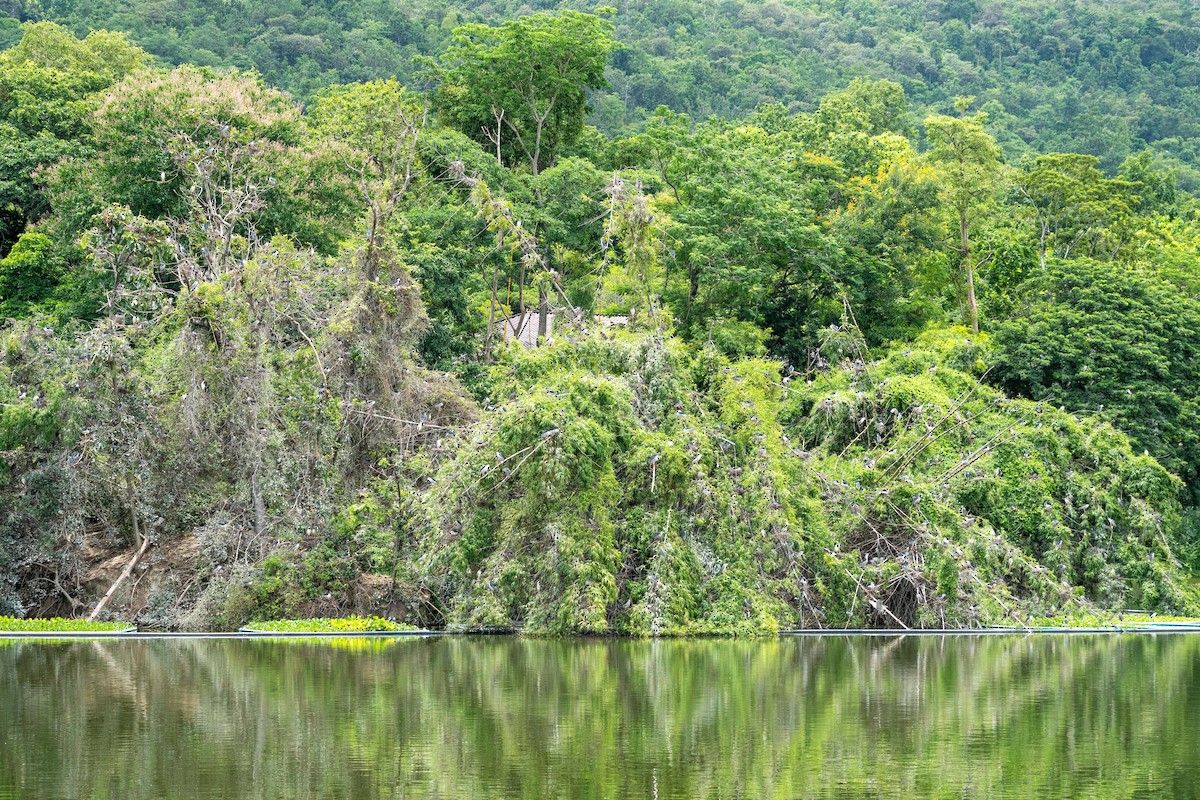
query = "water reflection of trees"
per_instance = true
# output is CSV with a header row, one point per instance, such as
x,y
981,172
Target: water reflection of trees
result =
x,y
458,718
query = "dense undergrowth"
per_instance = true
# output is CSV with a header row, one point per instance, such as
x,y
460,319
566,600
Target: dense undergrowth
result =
x,y
270,349
628,484
959,504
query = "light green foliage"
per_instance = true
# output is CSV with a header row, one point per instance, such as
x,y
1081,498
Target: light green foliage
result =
x,y
777,222
219,154
1157,187
373,128
1118,621
226,310
572,197
50,83
102,53
350,624
624,486
28,274
741,238
1075,210
632,230
859,126
59,625
969,164
51,80
894,265
523,86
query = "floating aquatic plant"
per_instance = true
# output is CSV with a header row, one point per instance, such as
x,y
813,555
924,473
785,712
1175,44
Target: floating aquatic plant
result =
x,y
351,624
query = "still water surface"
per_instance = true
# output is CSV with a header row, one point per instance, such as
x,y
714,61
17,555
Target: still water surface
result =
x,y
828,717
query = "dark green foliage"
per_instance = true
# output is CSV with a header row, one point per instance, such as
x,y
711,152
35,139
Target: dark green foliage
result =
x,y
286,583
38,456
302,47
1106,80
780,226
1115,341
22,156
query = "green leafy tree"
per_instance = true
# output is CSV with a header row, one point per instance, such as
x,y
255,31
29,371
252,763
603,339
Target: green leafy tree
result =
x,y
50,79
892,237
373,128
1157,186
50,83
220,154
663,147
970,162
749,244
28,274
1074,208
1105,338
522,87
850,125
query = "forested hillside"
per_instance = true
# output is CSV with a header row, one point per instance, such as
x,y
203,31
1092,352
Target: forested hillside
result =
x,y
1106,79
824,342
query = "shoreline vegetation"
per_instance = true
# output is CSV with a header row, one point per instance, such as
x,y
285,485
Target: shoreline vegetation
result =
x,y
350,624
346,630
60,625
863,361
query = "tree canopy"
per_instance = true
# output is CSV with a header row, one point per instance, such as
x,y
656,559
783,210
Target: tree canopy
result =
x,y
523,86
810,366
1112,340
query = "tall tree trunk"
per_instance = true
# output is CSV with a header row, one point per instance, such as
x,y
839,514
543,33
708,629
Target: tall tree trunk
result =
x,y
543,314
487,344
968,269
972,307
1042,245
131,500
260,506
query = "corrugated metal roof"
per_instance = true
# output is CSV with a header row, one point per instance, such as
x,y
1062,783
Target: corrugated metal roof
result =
x,y
524,327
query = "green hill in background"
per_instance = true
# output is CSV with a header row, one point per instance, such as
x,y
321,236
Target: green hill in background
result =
x,y
1107,79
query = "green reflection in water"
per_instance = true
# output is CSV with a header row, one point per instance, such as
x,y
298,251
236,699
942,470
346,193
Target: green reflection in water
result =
x,y
1079,716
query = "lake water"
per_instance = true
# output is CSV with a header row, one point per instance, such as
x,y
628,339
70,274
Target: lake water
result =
x,y
822,717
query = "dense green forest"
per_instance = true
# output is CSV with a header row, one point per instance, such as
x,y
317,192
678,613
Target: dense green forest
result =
x,y
828,341
1106,79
